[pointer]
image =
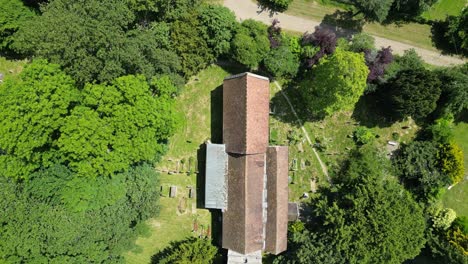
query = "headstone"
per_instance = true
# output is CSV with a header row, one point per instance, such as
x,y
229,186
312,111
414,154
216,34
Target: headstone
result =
x,y
300,147
294,165
191,193
303,165
173,191
1,77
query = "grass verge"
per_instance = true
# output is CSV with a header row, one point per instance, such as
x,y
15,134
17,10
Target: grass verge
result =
x,y
411,33
456,198
444,8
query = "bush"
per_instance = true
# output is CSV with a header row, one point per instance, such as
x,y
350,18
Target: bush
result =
x,y
419,169
451,161
363,135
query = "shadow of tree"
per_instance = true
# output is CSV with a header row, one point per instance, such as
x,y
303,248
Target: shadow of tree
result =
x,y
374,110
282,110
342,23
439,39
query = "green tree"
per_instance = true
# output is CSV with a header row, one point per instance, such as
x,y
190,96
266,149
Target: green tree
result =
x,y
275,5
281,62
190,45
251,44
218,25
408,10
191,250
45,120
373,10
457,33
414,93
98,41
149,52
336,83
87,38
418,166
32,111
365,217
409,60
454,86
99,138
38,228
13,14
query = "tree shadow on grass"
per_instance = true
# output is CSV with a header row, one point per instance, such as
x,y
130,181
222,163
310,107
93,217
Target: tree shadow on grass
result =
x,y
438,31
373,110
342,23
282,110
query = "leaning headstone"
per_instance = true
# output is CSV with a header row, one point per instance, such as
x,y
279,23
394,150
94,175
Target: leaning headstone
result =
x,y
303,165
1,77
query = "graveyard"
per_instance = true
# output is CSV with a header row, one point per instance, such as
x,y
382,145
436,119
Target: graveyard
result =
x,y
181,169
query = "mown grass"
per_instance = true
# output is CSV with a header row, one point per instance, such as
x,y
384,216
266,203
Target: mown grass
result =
x,y
10,68
335,133
456,198
307,175
411,33
443,8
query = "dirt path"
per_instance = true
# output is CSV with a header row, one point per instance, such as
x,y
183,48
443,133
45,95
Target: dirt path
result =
x,y
299,121
245,9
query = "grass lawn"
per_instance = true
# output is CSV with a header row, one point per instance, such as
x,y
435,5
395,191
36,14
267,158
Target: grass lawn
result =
x,y
10,68
444,8
412,33
335,132
456,198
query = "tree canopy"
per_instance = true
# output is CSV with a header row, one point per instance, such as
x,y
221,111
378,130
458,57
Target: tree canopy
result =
x,y
414,93
190,250
37,227
275,5
251,43
390,10
366,217
218,25
419,169
89,130
336,83
93,41
13,14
